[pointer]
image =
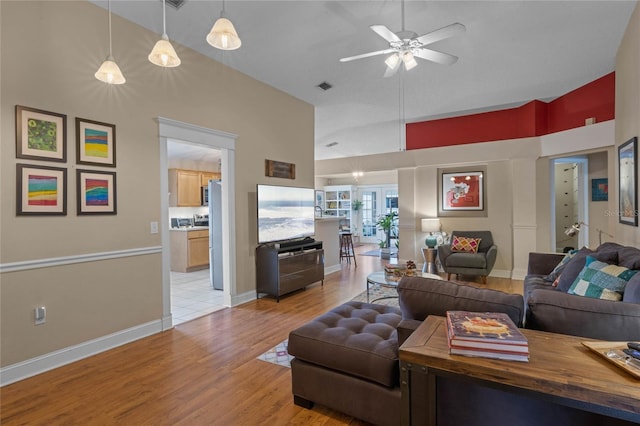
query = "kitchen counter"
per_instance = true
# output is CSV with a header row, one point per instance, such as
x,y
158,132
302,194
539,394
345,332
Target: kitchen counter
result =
x,y
193,228
327,232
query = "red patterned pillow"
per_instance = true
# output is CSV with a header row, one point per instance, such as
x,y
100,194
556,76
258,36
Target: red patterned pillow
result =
x,y
464,244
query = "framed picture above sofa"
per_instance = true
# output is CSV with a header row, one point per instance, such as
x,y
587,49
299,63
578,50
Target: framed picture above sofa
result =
x,y
462,191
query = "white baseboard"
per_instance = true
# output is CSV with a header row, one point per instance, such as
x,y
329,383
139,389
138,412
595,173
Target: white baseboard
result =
x,y
519,274
40,364
331,269
500,273
245,297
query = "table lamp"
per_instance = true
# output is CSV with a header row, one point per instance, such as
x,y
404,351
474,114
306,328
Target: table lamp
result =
x,y
431,225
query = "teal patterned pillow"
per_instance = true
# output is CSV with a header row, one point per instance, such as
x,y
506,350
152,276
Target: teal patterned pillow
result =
x,y
601,280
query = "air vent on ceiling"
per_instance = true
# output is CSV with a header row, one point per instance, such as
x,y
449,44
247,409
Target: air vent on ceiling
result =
x,y
330,144
324,86
175,3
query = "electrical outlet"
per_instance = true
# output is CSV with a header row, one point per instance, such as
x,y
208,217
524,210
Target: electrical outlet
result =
x,y
154,227
40,314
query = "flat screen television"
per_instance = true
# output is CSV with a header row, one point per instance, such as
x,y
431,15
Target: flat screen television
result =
x,y
285,213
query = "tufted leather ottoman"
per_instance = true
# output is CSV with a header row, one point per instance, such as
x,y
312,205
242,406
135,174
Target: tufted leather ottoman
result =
x,y
347,359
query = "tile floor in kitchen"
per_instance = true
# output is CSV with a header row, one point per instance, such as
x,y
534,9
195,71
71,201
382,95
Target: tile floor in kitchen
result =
x,y
192,296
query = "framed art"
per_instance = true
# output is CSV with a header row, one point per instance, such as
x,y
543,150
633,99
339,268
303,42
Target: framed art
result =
x,y
628,182
95,143
600,189
40,190
461,191
96,192
40,135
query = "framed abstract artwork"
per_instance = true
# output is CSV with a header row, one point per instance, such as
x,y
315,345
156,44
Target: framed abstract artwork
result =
x,y
96,192
600,189
40,135
95,143
461,191
628,182
40,190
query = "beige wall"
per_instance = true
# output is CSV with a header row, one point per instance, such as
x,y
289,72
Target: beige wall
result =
x,y
628,104
50,51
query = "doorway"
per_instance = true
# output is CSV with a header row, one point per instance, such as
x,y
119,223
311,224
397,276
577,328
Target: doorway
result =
x,y
192,291
171,130
569,196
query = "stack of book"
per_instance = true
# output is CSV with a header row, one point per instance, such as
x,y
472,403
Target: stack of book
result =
x,y
486,334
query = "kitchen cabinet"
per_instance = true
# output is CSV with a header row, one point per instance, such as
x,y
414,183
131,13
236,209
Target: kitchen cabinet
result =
x,y
205,177
189,250
185,186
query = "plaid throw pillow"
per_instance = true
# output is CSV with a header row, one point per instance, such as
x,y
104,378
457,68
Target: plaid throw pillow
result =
x,y
555,274
601,280
464,244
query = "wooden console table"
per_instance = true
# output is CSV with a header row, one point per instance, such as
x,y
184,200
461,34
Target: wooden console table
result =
x,y
560,371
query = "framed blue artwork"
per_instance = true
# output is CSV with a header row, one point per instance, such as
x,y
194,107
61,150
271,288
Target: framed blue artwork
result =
x,y
600,189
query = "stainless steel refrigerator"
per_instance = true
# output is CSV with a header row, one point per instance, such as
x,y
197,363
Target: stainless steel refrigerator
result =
x,y
215,233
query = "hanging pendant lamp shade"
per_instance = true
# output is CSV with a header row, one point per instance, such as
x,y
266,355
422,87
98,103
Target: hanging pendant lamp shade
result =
x,y
223,35
163,53
109,72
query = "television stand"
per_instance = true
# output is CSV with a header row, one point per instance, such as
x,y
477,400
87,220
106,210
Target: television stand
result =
x,y
289,266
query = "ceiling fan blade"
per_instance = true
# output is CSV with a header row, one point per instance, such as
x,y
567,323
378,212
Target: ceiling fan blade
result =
x,y
442,33
385,33
435,56
366,55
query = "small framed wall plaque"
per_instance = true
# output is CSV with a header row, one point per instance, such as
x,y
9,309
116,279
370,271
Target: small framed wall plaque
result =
x,y
279,169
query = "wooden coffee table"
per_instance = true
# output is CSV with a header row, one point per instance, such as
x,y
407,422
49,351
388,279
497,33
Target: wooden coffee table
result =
x,y
384,279
561,370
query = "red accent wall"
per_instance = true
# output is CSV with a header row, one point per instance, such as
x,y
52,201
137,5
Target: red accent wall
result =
x,y
536,118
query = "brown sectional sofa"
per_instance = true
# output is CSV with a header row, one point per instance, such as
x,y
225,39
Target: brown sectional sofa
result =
x,y
347,359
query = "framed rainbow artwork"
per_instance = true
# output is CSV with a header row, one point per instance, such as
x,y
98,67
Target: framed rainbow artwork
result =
x,y
41,190
96,192
95,143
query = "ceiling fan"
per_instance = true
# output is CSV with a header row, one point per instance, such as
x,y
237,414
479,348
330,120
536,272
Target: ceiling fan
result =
x,y
405,46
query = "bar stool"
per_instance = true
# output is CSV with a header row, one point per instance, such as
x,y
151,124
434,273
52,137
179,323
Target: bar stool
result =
x,y
346,248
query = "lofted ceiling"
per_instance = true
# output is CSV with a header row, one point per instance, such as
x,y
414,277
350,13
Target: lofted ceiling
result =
x,y
512,52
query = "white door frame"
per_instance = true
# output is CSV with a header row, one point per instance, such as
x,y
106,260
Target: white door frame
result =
x,y
225,142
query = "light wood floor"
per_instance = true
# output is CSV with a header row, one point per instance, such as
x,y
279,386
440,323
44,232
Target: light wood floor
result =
x,y
203,372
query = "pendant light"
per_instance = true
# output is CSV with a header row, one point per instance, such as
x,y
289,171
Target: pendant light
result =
x,y
163,53
223,35
109,72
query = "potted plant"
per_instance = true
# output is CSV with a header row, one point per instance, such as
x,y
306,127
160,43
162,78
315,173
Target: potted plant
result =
x,y
357,204
386,223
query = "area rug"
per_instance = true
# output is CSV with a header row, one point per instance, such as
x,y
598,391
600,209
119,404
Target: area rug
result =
x,y
278,355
